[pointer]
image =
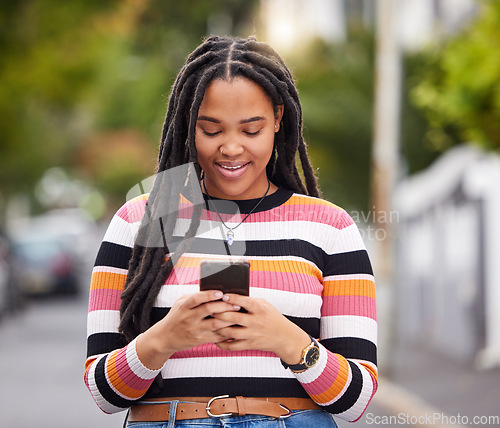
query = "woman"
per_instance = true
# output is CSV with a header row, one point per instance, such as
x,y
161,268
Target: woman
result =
x,y
305,347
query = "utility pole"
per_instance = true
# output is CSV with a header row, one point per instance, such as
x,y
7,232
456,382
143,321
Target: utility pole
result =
x,y
385,168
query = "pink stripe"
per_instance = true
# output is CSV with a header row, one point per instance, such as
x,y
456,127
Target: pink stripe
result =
x,y
349,305
286,281
318,214
330,372
210,350
104,299
132,211
184,275
126,374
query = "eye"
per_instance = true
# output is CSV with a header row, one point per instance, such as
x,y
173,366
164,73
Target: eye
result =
x,y
253,134
210,134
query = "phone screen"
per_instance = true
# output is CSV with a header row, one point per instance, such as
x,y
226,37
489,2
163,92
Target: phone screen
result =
x,y
225,275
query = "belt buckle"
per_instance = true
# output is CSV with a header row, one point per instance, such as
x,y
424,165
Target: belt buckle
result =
x,y
287,409
209,413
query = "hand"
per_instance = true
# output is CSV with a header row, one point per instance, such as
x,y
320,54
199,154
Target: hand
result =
x,y
263,328
185,326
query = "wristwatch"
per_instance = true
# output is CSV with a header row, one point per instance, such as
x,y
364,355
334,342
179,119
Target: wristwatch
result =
x,y
310,356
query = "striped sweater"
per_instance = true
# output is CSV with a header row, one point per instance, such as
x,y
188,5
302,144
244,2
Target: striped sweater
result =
x,y
307,259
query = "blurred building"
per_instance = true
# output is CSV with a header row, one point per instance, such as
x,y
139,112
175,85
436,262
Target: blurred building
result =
x,y
448,269
288,24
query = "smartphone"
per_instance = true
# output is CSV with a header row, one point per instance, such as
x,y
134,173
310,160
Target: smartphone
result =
x,y
228,276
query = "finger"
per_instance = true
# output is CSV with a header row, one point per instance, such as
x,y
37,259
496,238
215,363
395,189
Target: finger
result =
x,y
197,299
232,317
237,299
212,308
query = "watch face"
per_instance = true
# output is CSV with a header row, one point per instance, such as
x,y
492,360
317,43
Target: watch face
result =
x,y
312,357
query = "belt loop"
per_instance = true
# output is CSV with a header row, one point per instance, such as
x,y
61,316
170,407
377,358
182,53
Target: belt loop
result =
x,y
172,413
240,402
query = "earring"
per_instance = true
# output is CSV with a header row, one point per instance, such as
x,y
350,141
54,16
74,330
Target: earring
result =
x,y
275,127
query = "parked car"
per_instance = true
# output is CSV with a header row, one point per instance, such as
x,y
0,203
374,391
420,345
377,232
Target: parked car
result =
x,y
10,299
45,266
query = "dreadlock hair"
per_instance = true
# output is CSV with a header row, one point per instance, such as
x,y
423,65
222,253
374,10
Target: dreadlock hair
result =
x,y
216,58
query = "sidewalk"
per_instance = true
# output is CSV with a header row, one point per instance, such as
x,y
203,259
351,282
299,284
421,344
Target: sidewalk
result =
x,y
428,389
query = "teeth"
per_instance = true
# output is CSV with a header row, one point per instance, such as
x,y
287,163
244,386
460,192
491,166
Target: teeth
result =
x,y
231,167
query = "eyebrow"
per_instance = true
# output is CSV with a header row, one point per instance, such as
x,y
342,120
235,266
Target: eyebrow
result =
x,y
249,120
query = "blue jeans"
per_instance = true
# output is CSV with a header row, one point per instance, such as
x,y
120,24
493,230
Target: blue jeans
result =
x,y
299,419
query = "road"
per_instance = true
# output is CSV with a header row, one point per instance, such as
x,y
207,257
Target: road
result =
x,y
41,370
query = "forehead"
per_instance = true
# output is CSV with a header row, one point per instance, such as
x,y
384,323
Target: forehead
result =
x,y
237,96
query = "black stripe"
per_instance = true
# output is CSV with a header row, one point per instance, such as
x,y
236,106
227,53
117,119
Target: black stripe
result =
x,y
113,255
352,393
353,262
244,386
352,347
107,393
102,343
270,248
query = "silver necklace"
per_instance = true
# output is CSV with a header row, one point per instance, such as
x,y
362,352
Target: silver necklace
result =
x,y
230,230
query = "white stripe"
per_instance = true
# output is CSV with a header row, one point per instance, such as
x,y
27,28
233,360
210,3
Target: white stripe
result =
x,y
324,236
135,364
120,232
255,367
354,276
108,269
360,405
349,326
104,321
104,405
292,304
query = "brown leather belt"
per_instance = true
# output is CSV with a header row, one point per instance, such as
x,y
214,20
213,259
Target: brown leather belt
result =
x,y
203,407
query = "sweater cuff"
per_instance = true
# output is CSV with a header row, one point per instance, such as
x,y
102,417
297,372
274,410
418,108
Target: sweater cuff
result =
x,y
136,364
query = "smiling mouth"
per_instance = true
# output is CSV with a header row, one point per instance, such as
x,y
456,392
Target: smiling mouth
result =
x,y
232,168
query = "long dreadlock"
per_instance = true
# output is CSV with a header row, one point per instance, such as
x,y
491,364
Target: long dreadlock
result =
x,y
216,58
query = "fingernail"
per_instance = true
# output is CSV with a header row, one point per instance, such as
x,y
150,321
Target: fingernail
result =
x,y
236,307
218,294
225,298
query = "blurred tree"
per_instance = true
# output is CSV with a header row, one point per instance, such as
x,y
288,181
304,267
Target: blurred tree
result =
x,y
73,69
336,88
460,89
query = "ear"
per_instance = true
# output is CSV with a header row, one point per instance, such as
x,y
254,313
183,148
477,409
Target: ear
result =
x,y
278,115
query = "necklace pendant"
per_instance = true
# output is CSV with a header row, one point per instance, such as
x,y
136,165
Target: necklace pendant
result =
x,y
230,237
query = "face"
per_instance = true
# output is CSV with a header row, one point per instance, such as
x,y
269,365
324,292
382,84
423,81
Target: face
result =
x,y
235,138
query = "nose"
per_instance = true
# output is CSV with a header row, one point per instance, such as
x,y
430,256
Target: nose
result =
x,y
231,148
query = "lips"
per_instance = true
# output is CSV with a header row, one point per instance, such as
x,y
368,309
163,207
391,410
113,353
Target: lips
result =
x,y
232,169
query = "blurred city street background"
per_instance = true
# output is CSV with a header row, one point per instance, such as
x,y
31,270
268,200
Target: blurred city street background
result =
x,y
401,104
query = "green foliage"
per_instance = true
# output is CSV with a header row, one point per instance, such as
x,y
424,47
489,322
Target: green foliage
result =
x,y
336,88
460,90
71,70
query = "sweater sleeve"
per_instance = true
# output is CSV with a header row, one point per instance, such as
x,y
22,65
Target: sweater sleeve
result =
x,y
114,374
345,378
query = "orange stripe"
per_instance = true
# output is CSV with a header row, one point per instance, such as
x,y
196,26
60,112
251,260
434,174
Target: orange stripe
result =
x,y
337,386
262,265
350,287
117,382
107,280
301,200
